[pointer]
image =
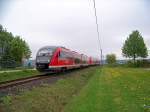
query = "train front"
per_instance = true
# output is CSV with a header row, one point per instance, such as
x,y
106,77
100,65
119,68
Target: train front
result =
x,y
43,58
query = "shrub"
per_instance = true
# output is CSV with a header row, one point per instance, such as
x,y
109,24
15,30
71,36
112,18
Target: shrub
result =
x,y
111,59
138,63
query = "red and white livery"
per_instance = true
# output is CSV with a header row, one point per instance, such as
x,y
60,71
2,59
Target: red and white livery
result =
x,y
55,58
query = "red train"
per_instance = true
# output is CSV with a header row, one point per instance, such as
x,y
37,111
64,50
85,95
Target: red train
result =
x,y
55,58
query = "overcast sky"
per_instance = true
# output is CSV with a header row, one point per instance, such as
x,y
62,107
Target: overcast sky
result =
x,y
71,23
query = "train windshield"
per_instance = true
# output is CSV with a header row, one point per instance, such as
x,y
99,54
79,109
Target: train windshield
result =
x,y
45,52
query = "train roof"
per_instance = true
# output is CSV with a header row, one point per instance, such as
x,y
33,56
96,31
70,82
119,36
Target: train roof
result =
x,y
53,47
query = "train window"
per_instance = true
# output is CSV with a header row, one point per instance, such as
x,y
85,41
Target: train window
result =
x,y
65,54
45,52
62,54
68,55
58,55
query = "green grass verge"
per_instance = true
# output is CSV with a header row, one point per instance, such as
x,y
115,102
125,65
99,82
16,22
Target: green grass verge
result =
x,y
6,76
114,90
49,98
17,68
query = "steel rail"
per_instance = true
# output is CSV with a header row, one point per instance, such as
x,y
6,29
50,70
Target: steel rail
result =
x,y
11,83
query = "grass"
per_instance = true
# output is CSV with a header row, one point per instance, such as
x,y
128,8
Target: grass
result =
x,y
110,89
49,98
6,76
114,90
17,68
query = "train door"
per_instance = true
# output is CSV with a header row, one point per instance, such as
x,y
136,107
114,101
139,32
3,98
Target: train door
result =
x,y
62,58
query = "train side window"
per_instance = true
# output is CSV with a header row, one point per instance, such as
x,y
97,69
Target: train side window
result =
x,y
58,55
62,54
68,55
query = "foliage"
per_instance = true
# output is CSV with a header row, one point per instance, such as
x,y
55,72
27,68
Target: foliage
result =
x,y
111,59
134,46
19,49
138,63
12,48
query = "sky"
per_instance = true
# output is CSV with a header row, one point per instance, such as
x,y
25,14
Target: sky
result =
x,y
71,23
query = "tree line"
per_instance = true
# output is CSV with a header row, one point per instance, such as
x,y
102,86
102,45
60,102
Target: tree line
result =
x,y
134,47
12,49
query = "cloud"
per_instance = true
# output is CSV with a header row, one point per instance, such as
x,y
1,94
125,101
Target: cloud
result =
x,y
72,23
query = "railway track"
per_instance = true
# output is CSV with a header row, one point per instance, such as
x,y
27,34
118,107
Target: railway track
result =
x,y
9,86
12,83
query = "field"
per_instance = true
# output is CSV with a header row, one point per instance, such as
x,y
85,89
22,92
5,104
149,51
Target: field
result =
x,y
48,98
114,90
94,89
6,76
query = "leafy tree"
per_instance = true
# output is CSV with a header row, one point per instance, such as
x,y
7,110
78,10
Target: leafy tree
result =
x,y
26,50
1,28
134,46
111,58
5,39
12,48
19,49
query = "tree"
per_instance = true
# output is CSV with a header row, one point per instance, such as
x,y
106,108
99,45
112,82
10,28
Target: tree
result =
x,y
19,49
111,58
5,39
12,48
134,46
1,28
26,50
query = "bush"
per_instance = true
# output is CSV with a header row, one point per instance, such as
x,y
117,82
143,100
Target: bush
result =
x,y
9,64
138,63
111,59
